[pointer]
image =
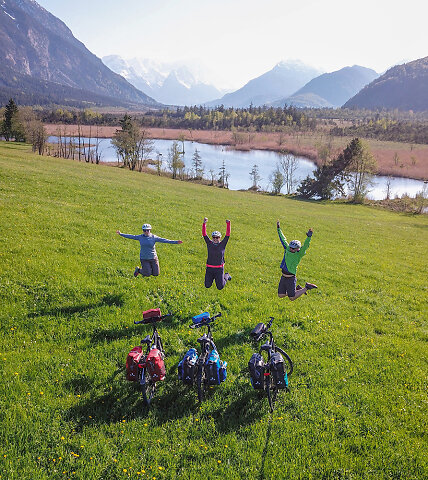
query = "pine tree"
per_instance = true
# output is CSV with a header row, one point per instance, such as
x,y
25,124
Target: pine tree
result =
x,y
7,127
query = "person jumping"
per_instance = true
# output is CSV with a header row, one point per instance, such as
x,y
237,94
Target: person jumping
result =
x,y
293,253
215,260
148,256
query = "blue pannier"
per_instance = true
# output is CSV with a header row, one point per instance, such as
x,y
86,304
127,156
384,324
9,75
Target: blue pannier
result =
x,y
200,318
215,369
187,367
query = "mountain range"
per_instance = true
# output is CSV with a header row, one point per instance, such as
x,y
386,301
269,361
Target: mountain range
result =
x,y
404,87
283,80
331,89
41,63
172,84
41,53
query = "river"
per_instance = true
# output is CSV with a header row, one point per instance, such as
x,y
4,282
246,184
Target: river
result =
x,y
239,164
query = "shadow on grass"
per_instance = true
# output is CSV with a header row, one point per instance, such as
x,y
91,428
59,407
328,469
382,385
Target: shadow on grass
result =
x,y
111,300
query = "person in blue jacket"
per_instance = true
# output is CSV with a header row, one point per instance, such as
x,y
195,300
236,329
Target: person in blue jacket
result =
x,y
148,256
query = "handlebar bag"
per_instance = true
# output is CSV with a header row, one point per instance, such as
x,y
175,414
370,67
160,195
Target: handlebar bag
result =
x,y
278,371
257,330
152,314
200,318
215,370
155,365
256,366
187,367
132,361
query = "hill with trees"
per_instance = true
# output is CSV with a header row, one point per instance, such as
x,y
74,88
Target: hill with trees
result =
x,y
38,45
404,87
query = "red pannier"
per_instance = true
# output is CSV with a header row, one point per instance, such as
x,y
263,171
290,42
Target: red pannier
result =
x,y
152,315
132,361
155,365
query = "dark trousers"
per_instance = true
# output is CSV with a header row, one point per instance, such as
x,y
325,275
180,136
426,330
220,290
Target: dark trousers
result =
x,y
149,267
216,274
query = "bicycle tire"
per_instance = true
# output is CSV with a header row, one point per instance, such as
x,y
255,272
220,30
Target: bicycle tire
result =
x,y
200,380
148,388
287,357
269,396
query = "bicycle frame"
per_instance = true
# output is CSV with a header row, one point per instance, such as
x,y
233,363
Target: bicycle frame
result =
x,y
269,385
146,382
207,343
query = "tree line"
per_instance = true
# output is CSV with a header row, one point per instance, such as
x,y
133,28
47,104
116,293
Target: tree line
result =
x,y
386,129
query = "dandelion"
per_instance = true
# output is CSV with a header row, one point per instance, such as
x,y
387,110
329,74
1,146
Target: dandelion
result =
x,y
125,470
218,461
41,393
160,468
16,373
145,424
62,438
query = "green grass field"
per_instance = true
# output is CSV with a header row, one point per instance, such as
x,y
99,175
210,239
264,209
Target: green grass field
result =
x,y
357,408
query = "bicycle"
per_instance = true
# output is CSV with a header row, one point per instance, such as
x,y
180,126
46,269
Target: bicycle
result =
x,y
151,366
272,375
209,369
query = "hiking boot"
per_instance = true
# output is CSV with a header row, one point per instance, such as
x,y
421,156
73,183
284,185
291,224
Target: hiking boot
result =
x,y
298,287
136,272
310,286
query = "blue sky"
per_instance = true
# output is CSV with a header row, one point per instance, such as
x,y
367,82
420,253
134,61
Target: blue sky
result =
x,y
241,39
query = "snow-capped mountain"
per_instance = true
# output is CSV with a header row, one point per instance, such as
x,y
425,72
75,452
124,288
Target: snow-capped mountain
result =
x,y
283,80
170,83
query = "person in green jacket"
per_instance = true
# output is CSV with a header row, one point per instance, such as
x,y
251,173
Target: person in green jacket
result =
x,y
293,253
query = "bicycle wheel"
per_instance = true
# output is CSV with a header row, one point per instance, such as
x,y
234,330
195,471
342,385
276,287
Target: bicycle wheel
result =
x,y
201,382
271,392
147,386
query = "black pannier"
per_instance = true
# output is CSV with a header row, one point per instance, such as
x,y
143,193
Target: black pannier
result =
x,y
256,365
278,371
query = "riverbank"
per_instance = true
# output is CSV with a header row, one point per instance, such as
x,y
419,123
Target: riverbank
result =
x,y
393,158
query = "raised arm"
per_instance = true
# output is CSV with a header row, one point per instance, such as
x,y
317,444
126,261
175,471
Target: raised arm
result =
x,y
227,228
307,242
204,227
281,235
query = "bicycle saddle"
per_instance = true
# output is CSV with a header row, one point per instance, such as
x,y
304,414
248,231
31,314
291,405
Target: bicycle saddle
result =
x,y
146,340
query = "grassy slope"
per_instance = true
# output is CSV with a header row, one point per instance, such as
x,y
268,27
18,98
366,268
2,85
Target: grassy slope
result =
x,y
357,406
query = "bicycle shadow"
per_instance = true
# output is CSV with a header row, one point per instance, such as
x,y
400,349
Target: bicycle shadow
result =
x,y
118,400
110,300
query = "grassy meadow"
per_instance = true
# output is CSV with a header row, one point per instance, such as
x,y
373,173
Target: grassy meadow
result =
x,y
357,408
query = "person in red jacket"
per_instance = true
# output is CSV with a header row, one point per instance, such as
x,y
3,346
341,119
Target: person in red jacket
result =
x,y
215,260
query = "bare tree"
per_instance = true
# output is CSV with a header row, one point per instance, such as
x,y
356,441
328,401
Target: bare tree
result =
x,y
255,177
222,175
197,165
289,164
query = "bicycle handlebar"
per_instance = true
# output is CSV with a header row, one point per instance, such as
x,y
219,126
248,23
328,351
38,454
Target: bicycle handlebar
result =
x,y
205,322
